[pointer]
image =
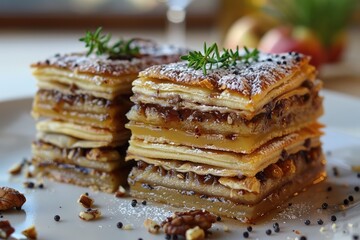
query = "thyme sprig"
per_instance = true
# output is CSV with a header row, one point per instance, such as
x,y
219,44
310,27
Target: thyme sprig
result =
x,y
99,43
211,57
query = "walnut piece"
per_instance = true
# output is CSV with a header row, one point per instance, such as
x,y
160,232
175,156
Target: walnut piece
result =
x,y
30,232
6,229
195,233
183,221
16,169
120,192
85,201
152,226
90,214
127,227
11,198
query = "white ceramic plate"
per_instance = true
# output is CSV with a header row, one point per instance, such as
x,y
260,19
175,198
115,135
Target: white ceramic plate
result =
x,y
17,132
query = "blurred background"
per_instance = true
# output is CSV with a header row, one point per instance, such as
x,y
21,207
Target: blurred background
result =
x,y
328,30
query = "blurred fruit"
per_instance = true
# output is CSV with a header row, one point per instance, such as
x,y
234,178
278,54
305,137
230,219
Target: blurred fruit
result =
x,y
337,47
247,31
297,39
327,19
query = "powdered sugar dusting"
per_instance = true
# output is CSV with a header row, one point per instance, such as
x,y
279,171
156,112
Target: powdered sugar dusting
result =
x,y
248,79
150,54
140,212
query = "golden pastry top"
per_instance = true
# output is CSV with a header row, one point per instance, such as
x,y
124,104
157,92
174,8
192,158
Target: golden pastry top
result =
x,y
151,53
247,79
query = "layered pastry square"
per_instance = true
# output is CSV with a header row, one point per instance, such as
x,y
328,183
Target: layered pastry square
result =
x,y
81,105
238,141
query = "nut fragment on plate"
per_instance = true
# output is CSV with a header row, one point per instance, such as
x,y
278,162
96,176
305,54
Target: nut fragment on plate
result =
x,y
90,214
6,229
195,233
30,232
11,198
85,201
120,192
16,168
152,226
180,222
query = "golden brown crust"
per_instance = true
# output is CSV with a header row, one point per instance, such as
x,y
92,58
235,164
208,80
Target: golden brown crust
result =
x,y
249,79
150,54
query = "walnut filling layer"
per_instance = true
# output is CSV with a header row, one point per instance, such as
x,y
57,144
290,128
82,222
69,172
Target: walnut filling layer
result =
x,y
284,112
239,189
68,173
82,109
225,207
102,159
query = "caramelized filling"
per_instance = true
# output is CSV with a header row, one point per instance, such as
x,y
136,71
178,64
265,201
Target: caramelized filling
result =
x,y
272,111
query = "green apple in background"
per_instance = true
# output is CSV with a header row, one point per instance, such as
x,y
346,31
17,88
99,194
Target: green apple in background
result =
x,y
247,31
299,39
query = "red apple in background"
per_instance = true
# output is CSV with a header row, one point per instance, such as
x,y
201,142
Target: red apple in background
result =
x,y
297,39
336,48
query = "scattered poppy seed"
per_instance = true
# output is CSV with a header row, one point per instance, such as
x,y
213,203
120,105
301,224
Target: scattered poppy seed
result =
x,y
355,237
87,194
119,225
277,229
143,202
351,198
30,185
333,218
320,222
335,171
246,234
329,189
57,218
41,185
346,202
218,218
303,238
358,175
307,222
324,205
249,228
356,189
268,232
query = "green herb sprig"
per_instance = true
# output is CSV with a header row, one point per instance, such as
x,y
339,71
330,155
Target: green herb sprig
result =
x,y
99,43
211,57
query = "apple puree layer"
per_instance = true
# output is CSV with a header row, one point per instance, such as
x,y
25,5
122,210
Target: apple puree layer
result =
x,y
184,158
235,143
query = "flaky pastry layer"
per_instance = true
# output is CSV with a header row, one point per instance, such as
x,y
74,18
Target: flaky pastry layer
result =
x,y
244,86
224,163
83,132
